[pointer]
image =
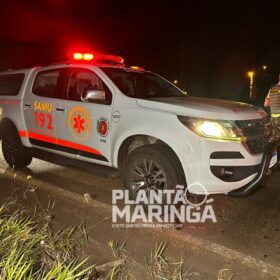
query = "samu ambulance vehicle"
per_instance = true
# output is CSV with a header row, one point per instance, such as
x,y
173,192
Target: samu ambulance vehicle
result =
x,y
94,109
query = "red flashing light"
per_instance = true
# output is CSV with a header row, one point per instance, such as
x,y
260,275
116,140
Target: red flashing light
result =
x,y
77,56
137,68
83,56
88,56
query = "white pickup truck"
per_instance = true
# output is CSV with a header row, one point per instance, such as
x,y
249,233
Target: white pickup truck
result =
x,y
93,109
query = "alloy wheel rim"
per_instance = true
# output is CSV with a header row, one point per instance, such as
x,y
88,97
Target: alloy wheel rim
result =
x,y
147,175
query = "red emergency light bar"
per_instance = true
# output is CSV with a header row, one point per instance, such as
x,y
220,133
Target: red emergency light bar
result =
x,y
98,58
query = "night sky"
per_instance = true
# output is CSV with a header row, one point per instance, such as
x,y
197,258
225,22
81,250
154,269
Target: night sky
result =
x,y
206,45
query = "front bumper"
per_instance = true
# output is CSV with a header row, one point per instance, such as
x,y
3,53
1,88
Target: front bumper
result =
x,y
261,172
213,155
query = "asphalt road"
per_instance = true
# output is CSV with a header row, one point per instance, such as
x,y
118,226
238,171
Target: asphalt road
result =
x,y
248,225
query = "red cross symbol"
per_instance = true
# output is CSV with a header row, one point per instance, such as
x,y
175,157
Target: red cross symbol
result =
x,y
79,123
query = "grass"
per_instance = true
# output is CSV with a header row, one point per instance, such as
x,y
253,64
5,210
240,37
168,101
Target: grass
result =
x,y
120,266
30,249
157,263
162,266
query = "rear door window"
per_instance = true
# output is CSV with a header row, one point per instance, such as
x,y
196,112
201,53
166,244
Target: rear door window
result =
x,y
10,84
47,83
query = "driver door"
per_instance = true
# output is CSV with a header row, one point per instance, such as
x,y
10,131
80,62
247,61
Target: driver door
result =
x,y
83,127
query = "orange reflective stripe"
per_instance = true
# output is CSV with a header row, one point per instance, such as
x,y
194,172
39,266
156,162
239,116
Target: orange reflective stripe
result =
x,y
22,133
60,142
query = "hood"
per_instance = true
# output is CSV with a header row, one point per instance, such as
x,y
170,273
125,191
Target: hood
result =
x,y
203,108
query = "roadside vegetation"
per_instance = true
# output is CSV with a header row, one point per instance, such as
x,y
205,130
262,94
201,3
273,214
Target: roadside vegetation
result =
x,y
30,249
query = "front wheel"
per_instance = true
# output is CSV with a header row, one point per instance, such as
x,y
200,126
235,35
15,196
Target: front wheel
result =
x,y
15,154
152,168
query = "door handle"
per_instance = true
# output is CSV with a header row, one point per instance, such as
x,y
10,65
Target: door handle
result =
x,y
60,109
27,105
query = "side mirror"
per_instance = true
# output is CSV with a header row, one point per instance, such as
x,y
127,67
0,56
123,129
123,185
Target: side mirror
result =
x,y
94,95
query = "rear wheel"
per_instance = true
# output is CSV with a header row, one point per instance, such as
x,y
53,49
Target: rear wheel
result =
x,y
15,154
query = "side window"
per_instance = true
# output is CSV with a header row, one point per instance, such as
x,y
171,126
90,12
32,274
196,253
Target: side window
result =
x,y
81,80
46,83
10,84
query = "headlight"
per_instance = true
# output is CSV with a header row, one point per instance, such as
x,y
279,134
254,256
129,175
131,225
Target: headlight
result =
x,y
216,130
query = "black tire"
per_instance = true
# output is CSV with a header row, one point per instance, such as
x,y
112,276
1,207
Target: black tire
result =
x,y
163,157
15,154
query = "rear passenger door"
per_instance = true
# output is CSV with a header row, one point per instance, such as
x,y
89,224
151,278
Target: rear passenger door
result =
x,y
82,127
39,107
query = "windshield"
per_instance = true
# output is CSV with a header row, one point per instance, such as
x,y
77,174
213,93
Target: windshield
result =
x,y
141,84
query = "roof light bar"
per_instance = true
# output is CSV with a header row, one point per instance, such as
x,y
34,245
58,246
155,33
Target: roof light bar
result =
x,y
103,59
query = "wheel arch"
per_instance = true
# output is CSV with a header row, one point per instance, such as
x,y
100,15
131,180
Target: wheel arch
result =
x,y
138,140
5,124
